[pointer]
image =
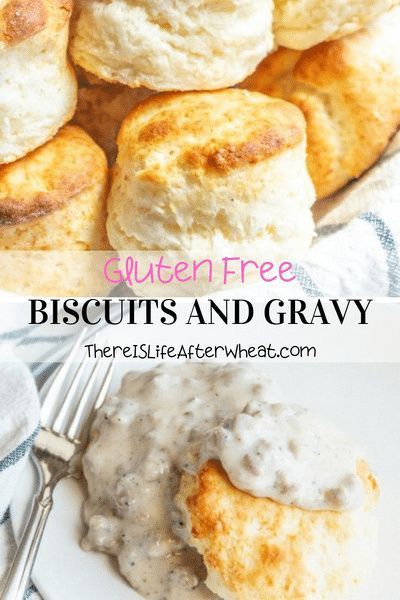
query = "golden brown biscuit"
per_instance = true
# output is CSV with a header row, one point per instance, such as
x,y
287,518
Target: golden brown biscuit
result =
x,y
212,172
53,199
348,91
301,24
37,84
257,549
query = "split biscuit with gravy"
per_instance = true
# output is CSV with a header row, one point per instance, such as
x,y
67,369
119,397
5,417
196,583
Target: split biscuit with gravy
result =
x,y
38,86
212,172
301,24
167,46
348,91
53,199
258,549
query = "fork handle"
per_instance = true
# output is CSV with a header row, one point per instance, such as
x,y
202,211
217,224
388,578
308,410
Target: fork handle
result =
x,y
18,578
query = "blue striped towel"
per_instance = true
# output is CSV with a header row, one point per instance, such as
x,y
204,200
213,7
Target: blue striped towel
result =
x,y
19,419
357,251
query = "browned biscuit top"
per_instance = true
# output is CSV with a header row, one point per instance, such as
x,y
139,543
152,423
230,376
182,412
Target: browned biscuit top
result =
x,y
259,548
20,19
47,178
23,19
347,90
219,131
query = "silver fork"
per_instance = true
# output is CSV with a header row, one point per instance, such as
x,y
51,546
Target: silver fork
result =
x,y
56,450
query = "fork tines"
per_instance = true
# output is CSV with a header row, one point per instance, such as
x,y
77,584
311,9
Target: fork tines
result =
x,y
67,413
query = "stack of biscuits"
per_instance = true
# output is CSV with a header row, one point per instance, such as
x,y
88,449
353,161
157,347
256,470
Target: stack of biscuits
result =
x,y
188,125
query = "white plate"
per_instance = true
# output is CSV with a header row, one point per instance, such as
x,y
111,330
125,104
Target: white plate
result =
x,y
362,399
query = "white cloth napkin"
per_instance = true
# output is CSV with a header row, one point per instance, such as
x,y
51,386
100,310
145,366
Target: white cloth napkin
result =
x,y
357,251
19,419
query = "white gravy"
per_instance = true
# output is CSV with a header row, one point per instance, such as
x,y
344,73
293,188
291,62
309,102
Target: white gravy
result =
x,y
173,418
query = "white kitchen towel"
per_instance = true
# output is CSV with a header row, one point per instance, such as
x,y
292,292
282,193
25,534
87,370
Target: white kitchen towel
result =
x,y
357,250
19,420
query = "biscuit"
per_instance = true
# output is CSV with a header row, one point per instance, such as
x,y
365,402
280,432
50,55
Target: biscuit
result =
x,y
184,45
212,172
348,91
101,109
37,85
54,199
301,24
257,549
